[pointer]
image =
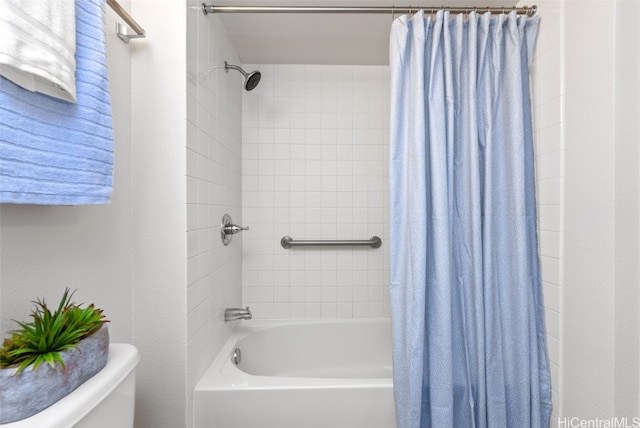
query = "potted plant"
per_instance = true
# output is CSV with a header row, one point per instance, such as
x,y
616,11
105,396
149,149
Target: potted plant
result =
x,y
49,357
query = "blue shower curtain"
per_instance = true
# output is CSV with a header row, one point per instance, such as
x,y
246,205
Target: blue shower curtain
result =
x,y
469,335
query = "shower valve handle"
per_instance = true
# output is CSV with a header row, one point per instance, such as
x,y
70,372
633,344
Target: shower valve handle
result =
x,y
232,229
228,229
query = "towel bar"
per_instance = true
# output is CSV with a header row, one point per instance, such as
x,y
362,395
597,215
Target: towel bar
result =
x,y
288,242
121,30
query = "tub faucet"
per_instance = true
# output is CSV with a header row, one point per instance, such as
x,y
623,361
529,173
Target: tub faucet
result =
x,y
232,314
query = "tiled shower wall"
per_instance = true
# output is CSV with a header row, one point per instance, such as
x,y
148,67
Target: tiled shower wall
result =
x,y
213,189
315,166
547,75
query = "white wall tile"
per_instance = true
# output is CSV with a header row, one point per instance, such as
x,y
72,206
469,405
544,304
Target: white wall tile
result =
x,y
548,104
214,182
315,166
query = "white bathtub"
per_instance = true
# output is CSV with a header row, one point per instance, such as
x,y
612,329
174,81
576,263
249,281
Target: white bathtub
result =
x,y
302,374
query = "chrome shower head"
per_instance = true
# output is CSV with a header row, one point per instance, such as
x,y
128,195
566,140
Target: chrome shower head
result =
x,y
251,80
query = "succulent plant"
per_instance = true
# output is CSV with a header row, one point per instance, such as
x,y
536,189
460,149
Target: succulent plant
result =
x,y
42,339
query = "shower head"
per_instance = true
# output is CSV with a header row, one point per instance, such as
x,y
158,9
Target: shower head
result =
x,y
251,80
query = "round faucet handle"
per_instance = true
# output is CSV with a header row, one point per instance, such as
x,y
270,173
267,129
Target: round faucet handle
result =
x,y
228,229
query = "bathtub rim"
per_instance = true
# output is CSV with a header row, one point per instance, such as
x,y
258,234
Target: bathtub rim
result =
x,y
223,375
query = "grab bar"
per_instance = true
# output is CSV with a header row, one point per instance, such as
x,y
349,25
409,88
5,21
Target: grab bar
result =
x,y
288,242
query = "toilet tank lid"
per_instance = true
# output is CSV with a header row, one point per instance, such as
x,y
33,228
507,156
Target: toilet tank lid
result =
x,y
123,358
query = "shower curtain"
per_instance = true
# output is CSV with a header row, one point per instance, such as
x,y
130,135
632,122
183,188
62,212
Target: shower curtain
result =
x,y
469,335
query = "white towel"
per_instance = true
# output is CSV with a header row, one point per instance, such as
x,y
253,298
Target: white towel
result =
x,y
38,44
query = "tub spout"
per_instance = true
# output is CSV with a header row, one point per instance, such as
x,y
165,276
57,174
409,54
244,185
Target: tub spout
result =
x,y
232,314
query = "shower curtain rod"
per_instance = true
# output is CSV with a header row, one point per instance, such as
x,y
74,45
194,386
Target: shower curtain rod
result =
x,y
211,8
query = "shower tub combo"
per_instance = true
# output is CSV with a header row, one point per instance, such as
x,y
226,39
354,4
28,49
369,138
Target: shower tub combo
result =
x,y
302,374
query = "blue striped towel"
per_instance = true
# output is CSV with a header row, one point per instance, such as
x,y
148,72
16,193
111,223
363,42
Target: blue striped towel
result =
x,y
54,152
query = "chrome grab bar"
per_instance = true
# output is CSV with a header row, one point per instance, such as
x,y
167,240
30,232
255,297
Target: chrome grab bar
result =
x,y
288,242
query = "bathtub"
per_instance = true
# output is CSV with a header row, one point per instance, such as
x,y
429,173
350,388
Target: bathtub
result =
x,y
302,374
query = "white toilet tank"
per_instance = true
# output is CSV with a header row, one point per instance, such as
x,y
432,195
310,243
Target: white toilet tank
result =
x,y
107,400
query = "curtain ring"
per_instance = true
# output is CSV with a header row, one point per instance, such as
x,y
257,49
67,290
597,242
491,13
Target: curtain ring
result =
x,y
393,13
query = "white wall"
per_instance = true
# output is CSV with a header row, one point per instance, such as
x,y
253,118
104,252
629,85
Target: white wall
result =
x,y
590,210
152,258
548,97
214,275
128,256
186,141
44,249
158,144
586,116
627,229
315,166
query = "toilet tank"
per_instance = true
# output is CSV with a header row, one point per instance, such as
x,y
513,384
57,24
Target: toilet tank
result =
x,y
106,400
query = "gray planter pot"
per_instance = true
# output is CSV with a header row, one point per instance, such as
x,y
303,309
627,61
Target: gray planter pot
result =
x,y
27,393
